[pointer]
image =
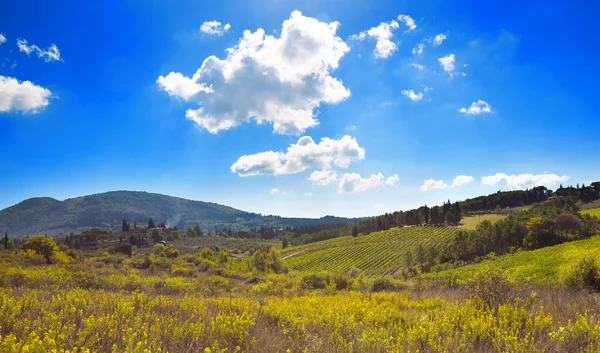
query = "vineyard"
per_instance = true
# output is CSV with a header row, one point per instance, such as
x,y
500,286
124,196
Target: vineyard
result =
x,y
378,253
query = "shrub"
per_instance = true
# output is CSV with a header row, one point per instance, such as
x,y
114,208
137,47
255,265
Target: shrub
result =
x,y
207,254
157,249
342,283
492,287
383,284
586,275
73,254
171,253
314,281
42,245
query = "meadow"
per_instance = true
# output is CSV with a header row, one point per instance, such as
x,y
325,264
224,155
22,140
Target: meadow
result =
x,y
109,303
375,254
471,222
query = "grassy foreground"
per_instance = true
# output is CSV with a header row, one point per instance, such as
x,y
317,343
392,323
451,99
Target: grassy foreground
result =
x,y
203,302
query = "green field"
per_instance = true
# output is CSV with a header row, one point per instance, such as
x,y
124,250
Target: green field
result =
x,y
546,266
471,222
595,212
378,253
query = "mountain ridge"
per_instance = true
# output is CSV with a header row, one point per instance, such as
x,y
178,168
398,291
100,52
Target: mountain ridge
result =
x,y
107,210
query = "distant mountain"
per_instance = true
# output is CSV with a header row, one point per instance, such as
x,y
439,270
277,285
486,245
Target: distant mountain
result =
x,y
49,216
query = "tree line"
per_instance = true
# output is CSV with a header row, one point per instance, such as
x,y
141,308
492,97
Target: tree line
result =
x,y
451,213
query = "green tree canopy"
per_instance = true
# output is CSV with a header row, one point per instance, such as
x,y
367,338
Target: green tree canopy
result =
x,y
42,245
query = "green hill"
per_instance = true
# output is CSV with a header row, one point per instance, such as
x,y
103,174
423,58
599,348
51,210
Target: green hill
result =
x,y
49,216
378,253
546,266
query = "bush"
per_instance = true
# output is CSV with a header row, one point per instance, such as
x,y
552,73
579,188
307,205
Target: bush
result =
x,y
73,254
585,276
157,249
207,254
125,248
493,288
42,245
314,281
383,284
171,253
342,283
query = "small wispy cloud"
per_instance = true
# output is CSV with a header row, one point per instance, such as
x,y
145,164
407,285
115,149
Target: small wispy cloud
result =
x,y
415,97
214,28
476,108
50,54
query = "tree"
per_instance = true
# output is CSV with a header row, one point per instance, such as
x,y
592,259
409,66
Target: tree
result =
x,y
567,223
151,223
42,245
408,259
539,233
125,227
354,231
284,242
156,236
421,256
5,240
450,219
198,230
10,245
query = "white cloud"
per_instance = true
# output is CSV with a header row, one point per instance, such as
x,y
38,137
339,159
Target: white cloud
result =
x,y
438,40
50,54
384,48
214,28
2,38
431,184
427,89
354,183
22,96
322,177
462,180
447,63
476,108
415,97
274,191
408,21
418,67
275,80
305,154
523,181
418,49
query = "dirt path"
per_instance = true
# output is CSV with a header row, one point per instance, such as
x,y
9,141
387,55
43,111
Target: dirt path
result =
x,y
294,254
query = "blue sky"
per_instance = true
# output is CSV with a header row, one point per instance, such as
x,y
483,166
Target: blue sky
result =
x,y
110,84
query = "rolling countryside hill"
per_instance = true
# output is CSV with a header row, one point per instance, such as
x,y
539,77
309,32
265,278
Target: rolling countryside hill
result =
x,y
107,210
546,266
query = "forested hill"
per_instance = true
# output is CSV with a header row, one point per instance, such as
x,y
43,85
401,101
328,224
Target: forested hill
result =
x,y
49,216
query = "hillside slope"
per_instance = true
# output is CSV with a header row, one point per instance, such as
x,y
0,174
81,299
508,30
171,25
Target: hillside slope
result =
x,y
378,253
107,210
546,266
